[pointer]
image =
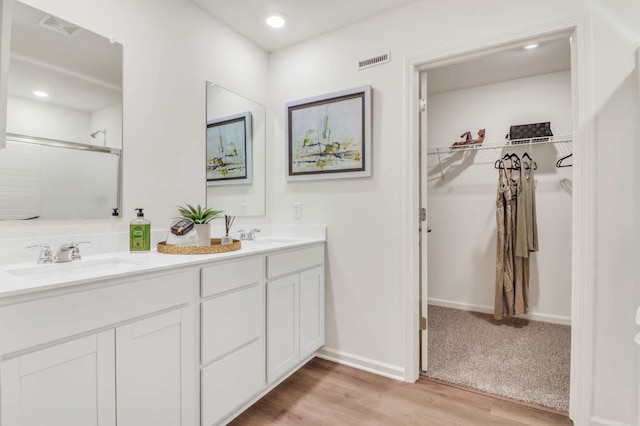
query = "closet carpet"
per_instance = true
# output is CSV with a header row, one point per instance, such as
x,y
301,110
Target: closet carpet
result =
x,y
515,358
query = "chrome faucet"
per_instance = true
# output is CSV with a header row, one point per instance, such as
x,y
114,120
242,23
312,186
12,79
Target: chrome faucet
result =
x,y
45,253
248,235
69,252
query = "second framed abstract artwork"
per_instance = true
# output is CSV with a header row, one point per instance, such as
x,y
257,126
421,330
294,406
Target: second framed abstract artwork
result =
x,y
329,136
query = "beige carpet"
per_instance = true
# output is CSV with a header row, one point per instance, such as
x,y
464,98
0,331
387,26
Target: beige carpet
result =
x,y
519,359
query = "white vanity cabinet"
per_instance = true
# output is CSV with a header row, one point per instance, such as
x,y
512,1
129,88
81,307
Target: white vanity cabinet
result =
x,y
118,353
189,344
295,308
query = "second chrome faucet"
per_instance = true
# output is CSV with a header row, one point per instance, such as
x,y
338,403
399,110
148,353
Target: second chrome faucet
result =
x,y
248,235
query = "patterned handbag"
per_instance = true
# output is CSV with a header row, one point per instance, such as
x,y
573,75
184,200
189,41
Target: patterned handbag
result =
x,y
525,133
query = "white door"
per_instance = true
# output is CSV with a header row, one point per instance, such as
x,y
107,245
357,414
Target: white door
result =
x,y
424,224
152,361
282,325
68,384
311,311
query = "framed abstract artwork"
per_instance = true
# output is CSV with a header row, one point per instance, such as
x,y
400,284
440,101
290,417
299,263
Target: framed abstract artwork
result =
x,y
329,136
229,153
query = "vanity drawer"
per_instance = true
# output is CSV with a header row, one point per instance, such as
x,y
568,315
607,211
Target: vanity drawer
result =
x,y
230,382
232,321
228,276
293,261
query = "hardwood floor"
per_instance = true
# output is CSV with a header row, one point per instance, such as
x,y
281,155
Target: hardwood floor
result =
x,y
325,393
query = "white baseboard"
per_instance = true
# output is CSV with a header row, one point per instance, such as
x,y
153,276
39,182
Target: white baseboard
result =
x,y
361,363
599,421
555,319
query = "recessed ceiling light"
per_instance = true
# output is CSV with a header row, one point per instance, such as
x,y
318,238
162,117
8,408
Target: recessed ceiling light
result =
x,y
531,46
41,94
276,21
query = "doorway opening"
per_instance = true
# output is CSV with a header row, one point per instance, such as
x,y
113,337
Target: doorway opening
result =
x,y
523,357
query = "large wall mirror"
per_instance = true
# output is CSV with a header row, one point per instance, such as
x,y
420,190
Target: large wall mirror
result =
x,y
63,154
236,138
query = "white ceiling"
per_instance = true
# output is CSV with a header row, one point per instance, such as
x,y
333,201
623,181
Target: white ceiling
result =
x,y
510,64
305,18
310,18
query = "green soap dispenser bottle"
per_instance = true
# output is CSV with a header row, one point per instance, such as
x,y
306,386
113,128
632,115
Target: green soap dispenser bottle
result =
x,y
140,233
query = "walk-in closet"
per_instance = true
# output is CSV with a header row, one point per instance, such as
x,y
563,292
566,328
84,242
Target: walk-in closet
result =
x,y
521,353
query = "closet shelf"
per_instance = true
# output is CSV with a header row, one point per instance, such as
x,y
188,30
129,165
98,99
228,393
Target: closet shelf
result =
x,y
500,145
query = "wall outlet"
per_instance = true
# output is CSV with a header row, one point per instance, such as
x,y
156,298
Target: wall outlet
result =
x,y
243,208
297,210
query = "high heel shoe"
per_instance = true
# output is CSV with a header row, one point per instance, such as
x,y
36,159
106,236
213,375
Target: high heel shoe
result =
x,y
480,139
467,137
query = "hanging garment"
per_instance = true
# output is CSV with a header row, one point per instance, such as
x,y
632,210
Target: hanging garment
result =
x,y
526,236
505,219
526,226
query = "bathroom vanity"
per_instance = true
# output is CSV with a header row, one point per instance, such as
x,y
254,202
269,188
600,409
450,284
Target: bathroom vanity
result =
x,y
153,339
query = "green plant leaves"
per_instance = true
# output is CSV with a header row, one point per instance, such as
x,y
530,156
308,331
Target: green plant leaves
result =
x,y
198,214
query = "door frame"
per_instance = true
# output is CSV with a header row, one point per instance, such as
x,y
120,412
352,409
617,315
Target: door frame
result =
x,y
583,202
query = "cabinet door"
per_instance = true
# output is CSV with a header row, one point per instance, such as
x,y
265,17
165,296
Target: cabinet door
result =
x,y
311,311
154,364
231,381
68,384
282,326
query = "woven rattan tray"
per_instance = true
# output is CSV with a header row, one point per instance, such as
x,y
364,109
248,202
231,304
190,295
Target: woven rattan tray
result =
x,y
215,247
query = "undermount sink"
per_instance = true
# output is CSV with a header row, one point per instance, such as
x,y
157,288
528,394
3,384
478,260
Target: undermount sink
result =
x,y
75,269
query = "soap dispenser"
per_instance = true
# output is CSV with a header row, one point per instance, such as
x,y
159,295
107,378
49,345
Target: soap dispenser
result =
x,y
140,233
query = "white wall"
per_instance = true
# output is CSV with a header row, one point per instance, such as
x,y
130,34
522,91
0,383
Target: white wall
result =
x,y
40,119
461,206
616,37
364,292
109,119
171,47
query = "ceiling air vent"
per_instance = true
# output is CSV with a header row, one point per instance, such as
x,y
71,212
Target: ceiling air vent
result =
x,y
372,62
59,25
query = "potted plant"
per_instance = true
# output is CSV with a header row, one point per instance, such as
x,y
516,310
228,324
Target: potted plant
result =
x,y
202,218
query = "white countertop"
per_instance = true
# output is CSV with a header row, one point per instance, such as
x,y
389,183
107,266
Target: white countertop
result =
x,y
25,278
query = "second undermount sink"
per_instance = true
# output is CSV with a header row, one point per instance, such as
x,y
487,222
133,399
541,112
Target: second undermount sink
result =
x,y
76,269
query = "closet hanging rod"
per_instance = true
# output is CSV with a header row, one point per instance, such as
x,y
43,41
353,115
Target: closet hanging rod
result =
x,y
500,145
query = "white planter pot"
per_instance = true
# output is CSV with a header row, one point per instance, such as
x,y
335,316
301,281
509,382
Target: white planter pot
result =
x,y
203,230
